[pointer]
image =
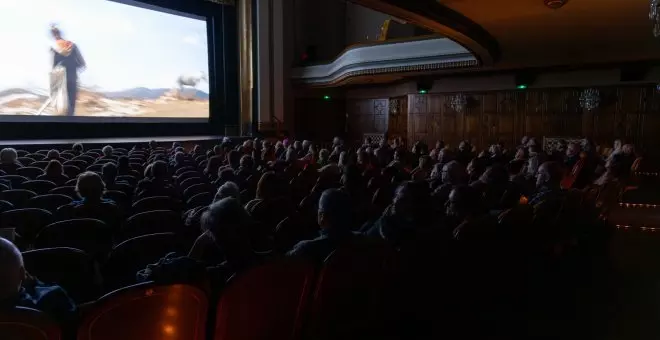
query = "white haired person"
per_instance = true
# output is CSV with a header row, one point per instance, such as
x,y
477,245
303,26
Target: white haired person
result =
x,y
108,153
19,289
90,188
9,161
228,189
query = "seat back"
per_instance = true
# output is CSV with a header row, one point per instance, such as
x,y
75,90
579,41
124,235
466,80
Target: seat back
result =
x,y
29,172
26,161
28,221
350,296
40,187
200,200
15,180
40,164
69,191
49,202
251,309
134,254
198,189
69,268
89,235
145,311
27,324
156,203
18,197
152,222
71,171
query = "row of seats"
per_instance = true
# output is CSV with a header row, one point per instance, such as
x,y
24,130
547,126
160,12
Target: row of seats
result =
x,y
345,299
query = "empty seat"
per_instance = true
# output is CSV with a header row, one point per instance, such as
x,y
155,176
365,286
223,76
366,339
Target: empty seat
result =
x,y
29,172
71,171
18,197
188,182
15,180
250,309
199,200
133,255
198,189
26,161
182,177
21,153
90,235
27,324
81,164
95,167
71,182
184,169
40,187
86,158
28,222
36,156
152,222
5,206
49,202
131,180
71,269
156,203
40,164
68,191
43,152
145,311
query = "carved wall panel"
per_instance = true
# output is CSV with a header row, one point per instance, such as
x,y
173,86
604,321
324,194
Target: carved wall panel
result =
x,y
631,112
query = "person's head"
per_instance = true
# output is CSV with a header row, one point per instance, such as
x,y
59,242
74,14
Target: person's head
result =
x,y
159,170
618,144
343,159
12,270
524,140
226,221
549,175
152,144
464,201
444,156
628,149
336,141
306,144
107,151
77,148
234,159
297,145
424,162
439,145
334,210
290,155
123,163
464,146
324,155
176,145
247,162
228,189
521,154
54,168
53,154
410,199
8,156
572,150
90,186
179,157
267,186
109,173
213,165
217,150
55,32
197,149
453,173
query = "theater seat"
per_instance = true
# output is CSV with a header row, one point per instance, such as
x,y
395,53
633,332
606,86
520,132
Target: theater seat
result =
x,y
132,255
199,200
67,191
18,197
49,202
40,187
70,268
28,222
151,222
20,323
15,180
40,164
156,203
266,302
89,235
145,311
71,171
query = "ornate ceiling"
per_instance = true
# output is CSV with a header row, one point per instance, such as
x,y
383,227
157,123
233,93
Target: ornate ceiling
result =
x,y
525,33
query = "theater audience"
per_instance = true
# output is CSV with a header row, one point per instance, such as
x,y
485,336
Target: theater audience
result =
x,y
158,184
19,288
8,161
54,172
90,188
335,220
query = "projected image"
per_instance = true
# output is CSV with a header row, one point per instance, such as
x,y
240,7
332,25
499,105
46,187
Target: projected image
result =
x,y
100,58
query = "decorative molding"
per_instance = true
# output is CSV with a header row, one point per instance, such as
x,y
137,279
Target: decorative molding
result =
x,y
407,56
420,103
380,107
395,106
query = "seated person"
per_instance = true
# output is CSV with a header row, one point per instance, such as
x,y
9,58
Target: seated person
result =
x,y
77,149
335,220
229,189
90,188
179,161
108,153
8,161
53,154
158,184
124,168
224,228
109,175
19,289
54,172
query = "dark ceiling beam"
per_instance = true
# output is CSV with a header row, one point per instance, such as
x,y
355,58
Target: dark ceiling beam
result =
x,y
438,18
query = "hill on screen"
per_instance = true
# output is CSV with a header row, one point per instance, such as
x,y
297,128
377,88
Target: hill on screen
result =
x,y
146,93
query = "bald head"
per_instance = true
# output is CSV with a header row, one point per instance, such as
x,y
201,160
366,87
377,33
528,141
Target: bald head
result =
x,y
12,272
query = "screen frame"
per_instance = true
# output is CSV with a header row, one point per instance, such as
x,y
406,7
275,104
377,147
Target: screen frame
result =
x,y
222,47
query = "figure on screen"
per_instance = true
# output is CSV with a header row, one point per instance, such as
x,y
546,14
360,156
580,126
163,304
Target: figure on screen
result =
x,y
67,60
191,81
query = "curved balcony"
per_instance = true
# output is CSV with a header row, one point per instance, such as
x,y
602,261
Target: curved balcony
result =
x,y
388,58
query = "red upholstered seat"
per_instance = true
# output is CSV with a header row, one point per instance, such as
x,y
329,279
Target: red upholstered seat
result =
x,y
350,299
27,324
570,178
145,311
265,302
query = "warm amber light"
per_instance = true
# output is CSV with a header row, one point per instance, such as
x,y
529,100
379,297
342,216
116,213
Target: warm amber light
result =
x,y
523,200
168,329
171,311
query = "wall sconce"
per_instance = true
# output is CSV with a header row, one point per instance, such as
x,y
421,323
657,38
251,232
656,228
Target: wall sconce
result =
x,y
589,99
458,102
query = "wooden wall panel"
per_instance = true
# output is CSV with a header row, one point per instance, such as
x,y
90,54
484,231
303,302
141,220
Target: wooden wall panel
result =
x,y
630,112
